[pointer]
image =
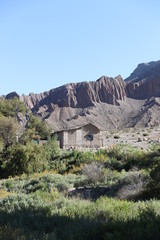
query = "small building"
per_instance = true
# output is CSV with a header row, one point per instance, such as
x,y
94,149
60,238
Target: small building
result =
x,y
86,136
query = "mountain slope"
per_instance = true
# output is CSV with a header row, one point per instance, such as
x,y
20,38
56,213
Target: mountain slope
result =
x,y
110,103
144,82
79,95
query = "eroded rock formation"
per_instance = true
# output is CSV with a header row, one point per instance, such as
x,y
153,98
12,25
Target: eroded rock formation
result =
x,y
144,82
111,103
79,95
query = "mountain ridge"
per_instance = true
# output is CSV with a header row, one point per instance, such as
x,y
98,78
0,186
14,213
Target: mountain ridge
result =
x,y
109,102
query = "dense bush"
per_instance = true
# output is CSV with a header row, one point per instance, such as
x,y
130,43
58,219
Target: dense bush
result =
x,y
70,161
11,107
8,131
126,157
41,205
40,126
27,158
37,206
107,218
46,183
154,183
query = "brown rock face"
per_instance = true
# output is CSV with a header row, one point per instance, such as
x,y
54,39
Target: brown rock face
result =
x,y
33,99
109,90
12,95
144,82
110,103
80,95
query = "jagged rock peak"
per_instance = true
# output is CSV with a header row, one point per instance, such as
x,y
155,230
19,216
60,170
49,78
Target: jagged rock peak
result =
x,y
32,99
12,95
79,95
144,82
141,70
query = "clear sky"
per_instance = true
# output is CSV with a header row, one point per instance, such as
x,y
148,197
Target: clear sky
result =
x,y
47,43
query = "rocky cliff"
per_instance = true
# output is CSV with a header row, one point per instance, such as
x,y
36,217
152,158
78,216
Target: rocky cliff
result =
x,y
79,95
110,103
144,82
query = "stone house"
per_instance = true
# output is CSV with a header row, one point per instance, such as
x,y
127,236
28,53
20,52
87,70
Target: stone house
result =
x,y
86,136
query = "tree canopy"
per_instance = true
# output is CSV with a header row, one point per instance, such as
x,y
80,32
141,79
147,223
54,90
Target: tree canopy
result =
x,y
39,127
11,107
8,130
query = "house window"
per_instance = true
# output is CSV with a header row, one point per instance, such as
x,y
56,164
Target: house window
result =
x,y
89,137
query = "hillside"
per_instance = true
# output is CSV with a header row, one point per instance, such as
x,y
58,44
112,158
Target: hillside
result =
x,y
108,102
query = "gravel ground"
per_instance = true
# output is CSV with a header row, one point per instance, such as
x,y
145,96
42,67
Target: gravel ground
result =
x,y
141,138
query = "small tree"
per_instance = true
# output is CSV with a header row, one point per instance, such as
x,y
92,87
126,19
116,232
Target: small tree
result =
x,y
40,127
154,184
51,149
8,131
28,135
11,107
27,159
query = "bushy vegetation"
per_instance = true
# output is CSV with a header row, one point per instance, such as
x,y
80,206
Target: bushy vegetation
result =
x,y
48,205
39,127
49,216
11,107
47,193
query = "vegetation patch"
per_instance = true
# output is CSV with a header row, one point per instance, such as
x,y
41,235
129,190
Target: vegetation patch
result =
x,y
47,193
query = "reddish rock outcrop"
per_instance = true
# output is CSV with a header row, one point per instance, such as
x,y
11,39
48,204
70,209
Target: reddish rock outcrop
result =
x,y
144,82
79,95
108,102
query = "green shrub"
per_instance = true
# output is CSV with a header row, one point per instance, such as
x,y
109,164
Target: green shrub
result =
x,y
126,157
46,183
51,150
27,159
39,218
154,183
70,161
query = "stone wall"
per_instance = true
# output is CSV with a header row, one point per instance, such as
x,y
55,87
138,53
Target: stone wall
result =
x,y
87,136
88,132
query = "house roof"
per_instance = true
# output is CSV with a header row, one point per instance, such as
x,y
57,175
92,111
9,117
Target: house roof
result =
x,y
74,127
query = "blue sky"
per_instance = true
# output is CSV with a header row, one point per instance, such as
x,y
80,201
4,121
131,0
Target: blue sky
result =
x,y
47,43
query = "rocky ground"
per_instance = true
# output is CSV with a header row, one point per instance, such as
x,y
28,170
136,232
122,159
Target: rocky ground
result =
x,y
137,137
